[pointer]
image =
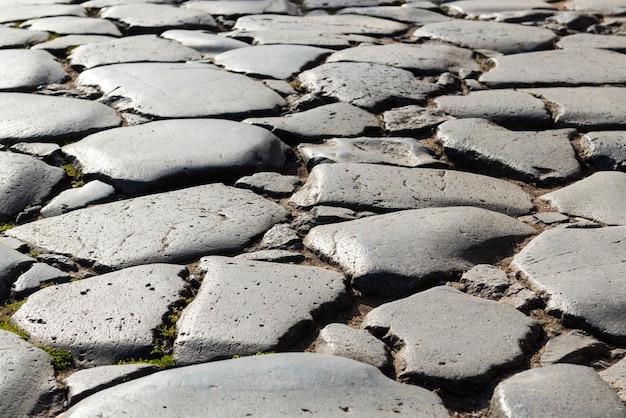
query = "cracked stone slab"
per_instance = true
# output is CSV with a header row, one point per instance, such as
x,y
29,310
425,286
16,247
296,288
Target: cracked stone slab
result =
x,y
357,344
588,40
559,263
607,149
444,340
600,197
574,348
557,390
281,301
180,90
14,37
21,12
149,17
25,69
193,222
290,383
12,264
398,253
404,13
208,44
73,25
412,120
244,7
39,118
103,319
485,9
68,200
615,376
38,274
385,188
371,86
62,43
531,156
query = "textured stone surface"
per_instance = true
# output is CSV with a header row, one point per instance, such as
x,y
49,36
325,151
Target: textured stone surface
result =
x,y
607,149
412,120
274,184
92,192
20,12
147,17
610,7
62,43
404,13
37,275
13,37
243,7
587,40
24,69
485,280
72,25
12,263
573,347
484,9
359,345
615,376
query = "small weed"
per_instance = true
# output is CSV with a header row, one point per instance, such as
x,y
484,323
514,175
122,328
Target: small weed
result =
x,y
74,279
6,226
34,253
6,311
61,359
74,173
165,362
166,331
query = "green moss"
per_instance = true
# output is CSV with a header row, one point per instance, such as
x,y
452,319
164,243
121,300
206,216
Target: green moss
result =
x,y
74,173
61,359
166,361
6,226
6,311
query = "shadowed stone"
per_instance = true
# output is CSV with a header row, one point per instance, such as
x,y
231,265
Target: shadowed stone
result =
x,y
20,12
586,41
606,149
24,69
46,151
62,43
359,345
13,37
208,44
485,9
445,340
574,348
616,377
274,184
12,264
37,275
149,17
93,192
71,25
404,13
244,7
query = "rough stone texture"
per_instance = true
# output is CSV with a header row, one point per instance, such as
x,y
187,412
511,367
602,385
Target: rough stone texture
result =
x,y
62,43
610,7
336,4
359,345
20,12
385,188
244,7
445,340
485,9
26,377
103,319
180,90
586,41
25,69
616,377
600,197
607,149
276,256
12,263
563,390
68,200
208,44
46,151
281,237
148,17
13,37
559,263
573,347
397,253
486,280
37,275
412,120
191,222
72,25
551,217
274,184
281,302
404,13
289,383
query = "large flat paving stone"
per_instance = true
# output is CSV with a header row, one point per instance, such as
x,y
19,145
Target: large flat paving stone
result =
x,y
103,319
21,12
558,390
607,149
26,377
192,222
208,44
159,154
531,156
14,37
453,340
398,253
149,17
244,7
39,118
245,307
385,188
180,90
278,384
25,69
581,271
73,25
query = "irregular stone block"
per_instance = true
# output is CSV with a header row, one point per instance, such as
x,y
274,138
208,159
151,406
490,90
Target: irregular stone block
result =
x,y
487,280
73,25
243,7
573,347
404,13
616,377
141,18
281,237
607,149
14,37
25,69
485,9
605,7
37,275
359,345
19,12
274,184
93,192
12,263
412,120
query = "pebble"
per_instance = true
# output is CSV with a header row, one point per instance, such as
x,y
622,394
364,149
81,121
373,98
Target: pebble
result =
x,y
607,149
25,69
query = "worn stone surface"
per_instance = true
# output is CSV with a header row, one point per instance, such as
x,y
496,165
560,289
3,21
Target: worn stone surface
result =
x,y
30,10
412,120
588,40
73,25
68,200
275,256
607,149
610,7
147,17
404,13
281,237
485,9
359,345
14,37
12,263
486,280
25,70
244,7
62,43
44,150
208,44
615,376
38,274
573,347
274,184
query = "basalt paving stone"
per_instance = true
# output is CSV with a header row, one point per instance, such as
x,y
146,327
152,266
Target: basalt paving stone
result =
x,y
244,7
337,4
12,264
68,200
276,61
506,38
71,25
615,376
273,184
412,120
192,222
359,345
422,59
276,384
281,301
25,70
601,197
481,9
14,37
405,13
385,188
21,12
586,41
453,340
26,377
582,272
100,4
37,118
605,7
607,149
573,347
371,86
63,43
564,390
397,253
562,67
337,119
104,319
180,90
208,44
38,274
159,17
159,154
142,48
531,156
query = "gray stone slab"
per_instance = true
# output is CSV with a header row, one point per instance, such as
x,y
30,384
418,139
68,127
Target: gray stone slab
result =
x,y
180,90
607,149
600,197
26,377
421,59
281,237
192,222
42,150
404,13
275,256
38,274
161,154
398,253
244,7
573,347
385,188
333,120
337,4
73,25
25,69
558,390
273,184
103,319
12,263
588,40
605,7
14,37
20,12
39,118
208,44
559,263
616,377
445,340
506,38
101,4
63,43
412,120
531,156
359,345
551,217
485,281
485,9
159,17
13,243
79,197
278,384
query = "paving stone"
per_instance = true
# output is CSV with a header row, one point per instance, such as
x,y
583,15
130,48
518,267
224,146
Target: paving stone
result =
x,y
531,156
485,280
208,44
600,197
616,377
14,37
551,217
521,298
337,4
485,9
27,377
445,340
292,384
73,25
59,261
103,319
39,118
148,17
276,256
404,13
333,120
384,188
281,302
570,20
20,12
379,253
37,275
13,243
12,264
273,184
101,4
92,192
63,43
607,149
281,237
605,7
25,70
506,38
558,390
587,40
179,90
412,120
277,61
359,345
42,150
244,7
559,263
178,152
574,348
